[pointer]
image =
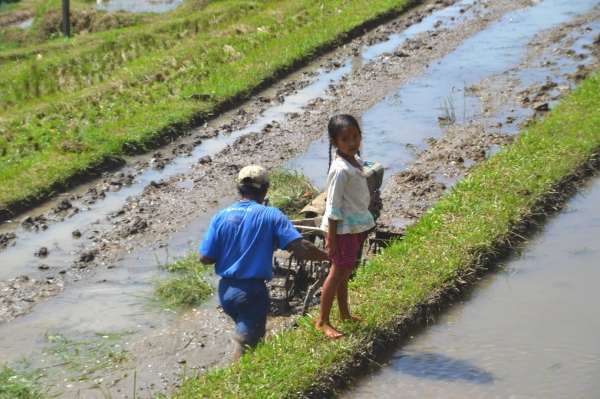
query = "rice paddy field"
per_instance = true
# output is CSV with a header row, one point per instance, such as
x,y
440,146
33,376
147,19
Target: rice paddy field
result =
x,y
71,106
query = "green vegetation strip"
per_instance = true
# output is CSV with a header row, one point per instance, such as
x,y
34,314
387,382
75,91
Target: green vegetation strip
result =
x,y
91,100
475,222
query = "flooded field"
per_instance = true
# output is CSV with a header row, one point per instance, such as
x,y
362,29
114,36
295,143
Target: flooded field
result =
x,y
527,330
401,123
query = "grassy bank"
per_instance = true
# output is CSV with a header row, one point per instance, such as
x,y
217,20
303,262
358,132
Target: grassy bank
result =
x,y
72,106
469,227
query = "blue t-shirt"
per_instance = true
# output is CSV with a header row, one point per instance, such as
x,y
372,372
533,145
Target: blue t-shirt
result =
x,y
243,237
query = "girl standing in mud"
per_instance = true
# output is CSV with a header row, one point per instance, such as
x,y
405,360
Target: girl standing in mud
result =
x,y
346,218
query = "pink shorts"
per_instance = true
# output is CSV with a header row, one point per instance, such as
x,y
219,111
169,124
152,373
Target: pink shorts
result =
x,y
348,246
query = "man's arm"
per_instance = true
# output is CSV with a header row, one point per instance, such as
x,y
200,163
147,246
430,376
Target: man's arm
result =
x,y
205,260
307,250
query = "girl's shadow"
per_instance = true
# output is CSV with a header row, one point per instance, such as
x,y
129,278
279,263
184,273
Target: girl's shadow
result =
x,y
438,367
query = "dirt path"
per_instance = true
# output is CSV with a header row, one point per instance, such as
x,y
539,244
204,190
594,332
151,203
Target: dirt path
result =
x,y
165,207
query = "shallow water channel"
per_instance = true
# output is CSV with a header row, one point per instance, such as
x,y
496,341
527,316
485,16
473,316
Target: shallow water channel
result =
x,y
394,128
156,6
528,329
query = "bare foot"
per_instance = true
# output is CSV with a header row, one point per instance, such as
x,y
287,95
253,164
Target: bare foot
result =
x,y
352,318
330,332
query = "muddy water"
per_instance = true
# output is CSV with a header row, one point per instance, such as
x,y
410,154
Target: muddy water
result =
x,y
20,259
526,330
386,140
400,123
109,301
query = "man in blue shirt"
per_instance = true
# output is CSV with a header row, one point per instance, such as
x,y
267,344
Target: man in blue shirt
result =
x,y
240,242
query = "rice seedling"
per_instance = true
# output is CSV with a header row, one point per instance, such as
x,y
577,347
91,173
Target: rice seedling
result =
x,y
448,112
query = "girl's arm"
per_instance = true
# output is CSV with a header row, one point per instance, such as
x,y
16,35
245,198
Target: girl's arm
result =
x,y
331,242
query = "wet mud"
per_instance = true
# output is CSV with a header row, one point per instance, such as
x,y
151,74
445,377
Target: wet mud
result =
x,y
149,220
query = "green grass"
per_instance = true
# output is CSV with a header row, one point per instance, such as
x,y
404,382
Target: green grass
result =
x,y
478,220
5,6
19,384
71,106
189,283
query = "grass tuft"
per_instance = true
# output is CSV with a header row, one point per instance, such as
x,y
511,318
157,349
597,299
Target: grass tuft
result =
x,y
448,111
19,384
189,283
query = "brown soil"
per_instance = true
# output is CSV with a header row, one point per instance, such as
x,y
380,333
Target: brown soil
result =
x,y
164,207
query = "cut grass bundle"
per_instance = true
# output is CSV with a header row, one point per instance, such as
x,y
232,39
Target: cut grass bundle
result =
x,y
290,191
478,220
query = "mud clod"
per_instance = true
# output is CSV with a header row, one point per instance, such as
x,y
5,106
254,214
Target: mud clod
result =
x,y
183,150
116,181
42,252
540,106
91,195
62,205
135,226
27,221
205,160
7,239
85,257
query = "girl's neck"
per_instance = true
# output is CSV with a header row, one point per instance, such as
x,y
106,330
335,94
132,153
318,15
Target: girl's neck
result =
x,y
350,159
